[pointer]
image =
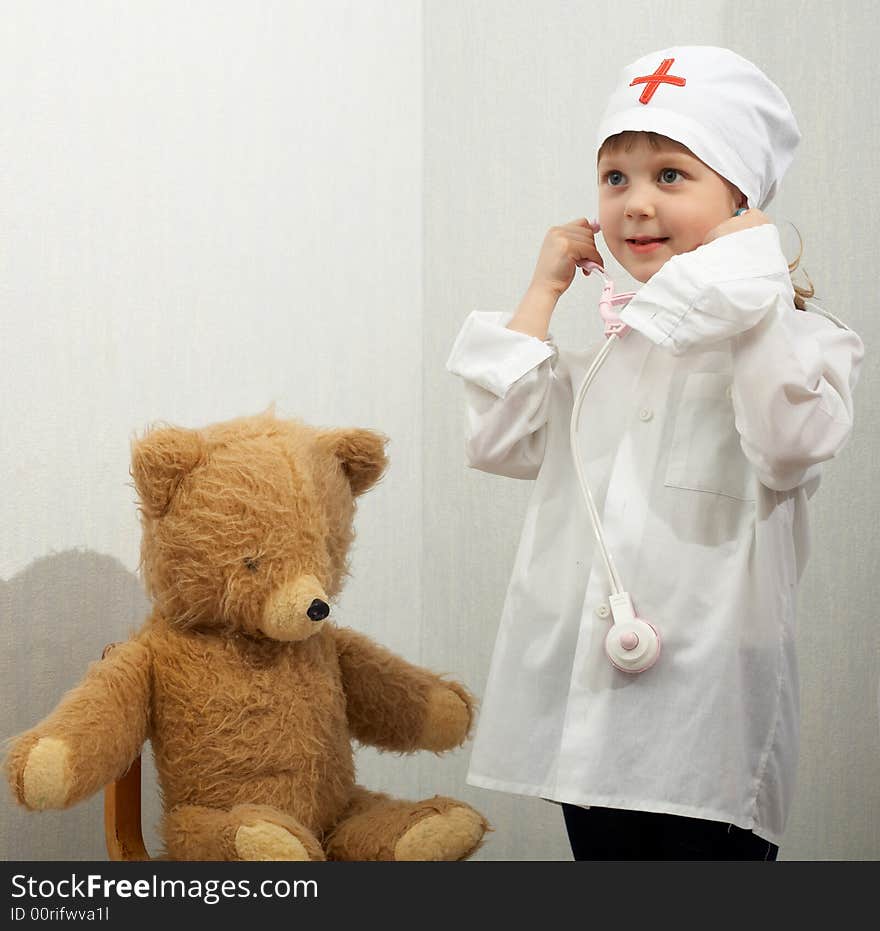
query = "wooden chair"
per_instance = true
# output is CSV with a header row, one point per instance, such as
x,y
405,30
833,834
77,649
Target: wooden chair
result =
x,y
122,811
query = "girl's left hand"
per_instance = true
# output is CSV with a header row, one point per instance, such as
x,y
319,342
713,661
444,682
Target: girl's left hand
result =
x,y
752,217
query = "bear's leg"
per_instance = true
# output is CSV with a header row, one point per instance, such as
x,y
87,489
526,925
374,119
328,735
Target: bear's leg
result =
x,y
378,827
246,832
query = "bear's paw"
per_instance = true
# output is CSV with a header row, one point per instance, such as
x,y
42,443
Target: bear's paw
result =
x,y
447,721
46,777
266,841
452,835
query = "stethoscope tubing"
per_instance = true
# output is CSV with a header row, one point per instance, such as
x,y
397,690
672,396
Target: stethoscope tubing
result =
x,y
627,630
610,568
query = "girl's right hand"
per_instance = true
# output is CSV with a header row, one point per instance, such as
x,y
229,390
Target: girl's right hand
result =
x,y
565,249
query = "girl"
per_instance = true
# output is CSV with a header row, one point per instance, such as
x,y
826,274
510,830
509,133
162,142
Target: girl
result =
x,y
702,438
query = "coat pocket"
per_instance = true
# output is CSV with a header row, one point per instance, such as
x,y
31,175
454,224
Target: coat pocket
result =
x,y
705,454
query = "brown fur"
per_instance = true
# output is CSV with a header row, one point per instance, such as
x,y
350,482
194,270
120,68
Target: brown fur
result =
x,y
250,704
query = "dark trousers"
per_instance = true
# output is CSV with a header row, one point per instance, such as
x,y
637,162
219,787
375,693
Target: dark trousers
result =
x,y
614,834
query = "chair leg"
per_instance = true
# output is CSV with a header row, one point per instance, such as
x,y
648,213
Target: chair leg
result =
x,y
122,810
122,816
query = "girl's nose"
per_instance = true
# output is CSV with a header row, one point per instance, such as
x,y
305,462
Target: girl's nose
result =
x,y
641,208
639,203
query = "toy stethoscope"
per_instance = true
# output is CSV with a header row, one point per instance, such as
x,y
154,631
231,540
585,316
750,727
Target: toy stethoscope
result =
x,y
632,643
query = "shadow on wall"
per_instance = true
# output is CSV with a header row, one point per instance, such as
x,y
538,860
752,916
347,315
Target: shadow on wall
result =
x,y
58,614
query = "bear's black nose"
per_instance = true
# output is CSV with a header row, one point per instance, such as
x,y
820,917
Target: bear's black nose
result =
x,y
318,610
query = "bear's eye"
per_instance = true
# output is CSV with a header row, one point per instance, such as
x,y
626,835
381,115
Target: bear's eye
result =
x,y
252,563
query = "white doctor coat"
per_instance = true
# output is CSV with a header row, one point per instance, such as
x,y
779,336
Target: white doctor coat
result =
x,y
702,438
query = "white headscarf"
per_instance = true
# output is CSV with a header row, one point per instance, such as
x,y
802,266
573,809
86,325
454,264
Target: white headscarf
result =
x,y
718,104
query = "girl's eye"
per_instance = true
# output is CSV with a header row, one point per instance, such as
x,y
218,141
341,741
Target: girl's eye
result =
x,y
667,172
617,178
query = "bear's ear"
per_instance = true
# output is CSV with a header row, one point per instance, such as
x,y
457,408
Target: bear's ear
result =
x,y
159,461
361,453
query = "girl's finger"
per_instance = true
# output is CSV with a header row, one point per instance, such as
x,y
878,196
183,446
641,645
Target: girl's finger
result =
x,y
582,237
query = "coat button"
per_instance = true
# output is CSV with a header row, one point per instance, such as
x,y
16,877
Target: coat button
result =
x,y
603,610
646,413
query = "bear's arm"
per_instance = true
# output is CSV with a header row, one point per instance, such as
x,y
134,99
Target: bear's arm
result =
x,y
91,738
394,705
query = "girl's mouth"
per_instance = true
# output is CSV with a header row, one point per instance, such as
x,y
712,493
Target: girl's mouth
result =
x,y
645,245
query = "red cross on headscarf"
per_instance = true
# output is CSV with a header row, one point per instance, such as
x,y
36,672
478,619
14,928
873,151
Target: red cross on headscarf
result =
x,y
660,76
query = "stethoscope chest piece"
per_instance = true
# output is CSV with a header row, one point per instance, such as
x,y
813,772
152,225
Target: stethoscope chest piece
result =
x,y
633,646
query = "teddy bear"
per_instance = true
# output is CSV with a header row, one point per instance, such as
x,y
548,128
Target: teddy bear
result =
x,y
247,689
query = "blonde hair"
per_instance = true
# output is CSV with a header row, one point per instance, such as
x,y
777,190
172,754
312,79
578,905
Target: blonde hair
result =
x,y
801,295
627,139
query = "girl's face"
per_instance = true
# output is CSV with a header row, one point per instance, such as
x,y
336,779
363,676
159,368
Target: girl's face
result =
x,y
667,195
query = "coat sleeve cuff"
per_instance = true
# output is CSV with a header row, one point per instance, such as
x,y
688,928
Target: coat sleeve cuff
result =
x,y
712,293
487,354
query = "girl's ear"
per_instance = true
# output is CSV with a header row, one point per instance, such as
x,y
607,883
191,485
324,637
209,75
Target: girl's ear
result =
x,y
159,462
739,199
360,453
